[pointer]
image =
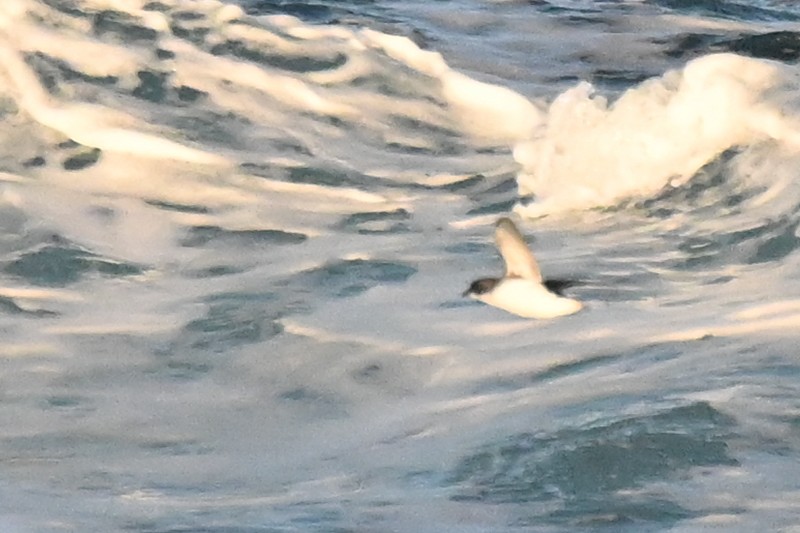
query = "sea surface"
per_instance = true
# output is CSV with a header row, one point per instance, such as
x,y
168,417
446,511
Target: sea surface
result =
x,y
234,239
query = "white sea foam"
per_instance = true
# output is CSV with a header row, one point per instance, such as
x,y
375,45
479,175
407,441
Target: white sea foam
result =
x,y
483,110
656,135
93,125
300,208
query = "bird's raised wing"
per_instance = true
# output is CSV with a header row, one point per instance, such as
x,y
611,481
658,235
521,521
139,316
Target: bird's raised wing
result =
x,y
519,260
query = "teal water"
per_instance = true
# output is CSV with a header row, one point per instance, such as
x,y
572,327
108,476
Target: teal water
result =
x,y
234,239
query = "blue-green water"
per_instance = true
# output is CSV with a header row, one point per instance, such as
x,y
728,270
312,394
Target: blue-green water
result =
x,y
234,239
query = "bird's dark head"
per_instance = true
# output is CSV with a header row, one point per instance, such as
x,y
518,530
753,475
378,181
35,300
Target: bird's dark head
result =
x,y
481,286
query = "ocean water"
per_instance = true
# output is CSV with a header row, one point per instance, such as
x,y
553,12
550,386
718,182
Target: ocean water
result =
x,y
234,239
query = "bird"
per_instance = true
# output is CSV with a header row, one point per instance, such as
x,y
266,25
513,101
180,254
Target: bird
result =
x,y
522,290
